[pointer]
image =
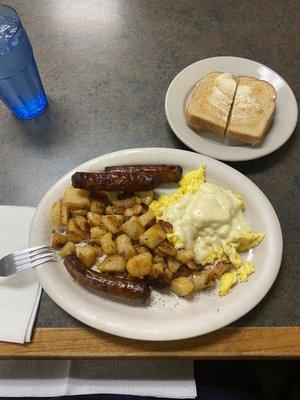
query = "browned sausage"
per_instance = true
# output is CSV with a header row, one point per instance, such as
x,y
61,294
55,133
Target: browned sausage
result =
x,y
115,181
165,173
104,282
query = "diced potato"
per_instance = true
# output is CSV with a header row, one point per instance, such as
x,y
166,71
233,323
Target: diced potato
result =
x,y
115,263
182,286
139,265
168,273
79,192
141,249
173,264
153,236
192,265
123,196
68,248
56,213
112,210
183,270
185,255
133,228
97,207
134,210
167,249
113,223
81,222
157,268
146,197
124,246
94,219
76,198
202,279
64,215
72,226
58,240
98,250
221,267
108,245
167,226
158,259
81,212
147,218
77,236
87,255
158,253
126,203
96,240
96,232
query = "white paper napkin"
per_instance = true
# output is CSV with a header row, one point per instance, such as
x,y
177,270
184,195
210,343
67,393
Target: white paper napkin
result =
x,y
157,378
19,298
20,293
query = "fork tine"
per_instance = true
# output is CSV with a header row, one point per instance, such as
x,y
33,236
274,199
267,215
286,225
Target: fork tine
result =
x,y
31,253
33,259
18,253
35,264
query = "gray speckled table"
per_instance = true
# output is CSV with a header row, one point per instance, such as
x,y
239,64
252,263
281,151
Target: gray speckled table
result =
x,y
106,66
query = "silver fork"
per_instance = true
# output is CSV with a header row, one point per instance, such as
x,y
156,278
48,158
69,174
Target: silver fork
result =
x,y
26,259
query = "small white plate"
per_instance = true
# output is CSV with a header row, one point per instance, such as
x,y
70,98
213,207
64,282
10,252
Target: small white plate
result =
x,y
212,145
166,317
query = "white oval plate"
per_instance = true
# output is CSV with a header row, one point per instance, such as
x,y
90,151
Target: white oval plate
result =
x,y
166,317
212,145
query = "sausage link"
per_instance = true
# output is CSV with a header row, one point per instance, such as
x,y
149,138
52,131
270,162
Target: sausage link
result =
x,y
115,181
165,173
104,282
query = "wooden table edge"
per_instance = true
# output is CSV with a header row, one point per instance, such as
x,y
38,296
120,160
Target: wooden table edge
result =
x,y
226,343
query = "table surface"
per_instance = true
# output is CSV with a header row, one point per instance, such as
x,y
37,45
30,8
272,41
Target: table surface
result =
x,y
106,67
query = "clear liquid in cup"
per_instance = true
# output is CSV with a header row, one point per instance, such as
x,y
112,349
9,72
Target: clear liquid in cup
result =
x,y
21,88
9,37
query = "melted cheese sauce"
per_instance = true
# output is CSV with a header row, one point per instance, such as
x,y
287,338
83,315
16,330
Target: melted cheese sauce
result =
x,y
208,219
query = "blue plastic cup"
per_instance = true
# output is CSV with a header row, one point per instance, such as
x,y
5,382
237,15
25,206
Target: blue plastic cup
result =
x,y
21,88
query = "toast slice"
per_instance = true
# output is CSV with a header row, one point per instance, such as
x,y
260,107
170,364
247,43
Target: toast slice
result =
x,y
252,110
210,104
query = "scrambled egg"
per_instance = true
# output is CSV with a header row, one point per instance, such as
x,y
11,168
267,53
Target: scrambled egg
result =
x,y
241,269
228,279
189,184
245,270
